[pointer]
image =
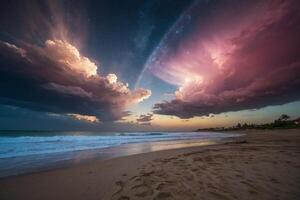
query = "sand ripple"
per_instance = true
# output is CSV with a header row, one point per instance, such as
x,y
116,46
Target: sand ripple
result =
x,y
237,171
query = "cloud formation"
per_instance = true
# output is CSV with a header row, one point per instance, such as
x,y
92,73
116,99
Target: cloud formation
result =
x,y
45,70
87,118
145,119
240,56
57,78
69,57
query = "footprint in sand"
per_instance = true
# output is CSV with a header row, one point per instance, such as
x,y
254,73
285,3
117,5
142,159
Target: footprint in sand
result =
x,y
218,195
163,195
143,173
123,198
121,185
143,191
249,185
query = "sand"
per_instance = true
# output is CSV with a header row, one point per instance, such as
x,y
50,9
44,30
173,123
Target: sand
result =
x,y
260,165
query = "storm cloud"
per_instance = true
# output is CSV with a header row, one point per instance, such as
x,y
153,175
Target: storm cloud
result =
x,y
237,57
45,70
56,78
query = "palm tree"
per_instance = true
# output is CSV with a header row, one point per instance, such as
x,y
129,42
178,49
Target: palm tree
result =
x,y
284,117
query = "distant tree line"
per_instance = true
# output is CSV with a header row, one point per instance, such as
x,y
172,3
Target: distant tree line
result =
x,y
283,122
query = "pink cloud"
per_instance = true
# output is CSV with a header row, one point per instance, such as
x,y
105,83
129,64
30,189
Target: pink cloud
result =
x,y
243,56
87,118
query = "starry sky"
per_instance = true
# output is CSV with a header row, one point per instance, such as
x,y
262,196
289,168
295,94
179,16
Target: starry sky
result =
x,y
151,65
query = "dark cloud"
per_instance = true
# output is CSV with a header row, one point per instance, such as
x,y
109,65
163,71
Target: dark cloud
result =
x,y
237,63
40,68
145,119
45,69
56,78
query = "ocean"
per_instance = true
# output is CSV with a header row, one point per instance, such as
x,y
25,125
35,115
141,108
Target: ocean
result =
x,y
24,152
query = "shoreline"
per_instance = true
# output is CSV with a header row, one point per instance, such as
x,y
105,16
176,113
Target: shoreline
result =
x,y
157,174
70,164
47,162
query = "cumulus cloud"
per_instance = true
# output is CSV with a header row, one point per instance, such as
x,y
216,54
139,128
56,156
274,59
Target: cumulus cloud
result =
x,y
87,118
242,56
69,57
57,78
145,119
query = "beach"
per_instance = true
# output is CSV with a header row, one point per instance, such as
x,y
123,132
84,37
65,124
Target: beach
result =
x,y
262,164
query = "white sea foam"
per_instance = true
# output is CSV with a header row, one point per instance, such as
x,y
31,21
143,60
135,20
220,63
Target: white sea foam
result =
x,y
32,145
27,152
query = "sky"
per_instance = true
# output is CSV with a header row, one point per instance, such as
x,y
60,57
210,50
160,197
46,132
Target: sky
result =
x,y
151,65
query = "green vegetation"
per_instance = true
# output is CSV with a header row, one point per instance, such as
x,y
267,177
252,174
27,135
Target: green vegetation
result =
x,y
283,122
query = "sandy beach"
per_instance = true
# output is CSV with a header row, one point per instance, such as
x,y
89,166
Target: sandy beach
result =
x,y
259,165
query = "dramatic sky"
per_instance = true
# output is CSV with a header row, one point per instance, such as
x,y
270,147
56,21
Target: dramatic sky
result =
x,y
118,65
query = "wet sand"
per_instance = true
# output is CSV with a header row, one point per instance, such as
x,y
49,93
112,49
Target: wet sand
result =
x,y
259,165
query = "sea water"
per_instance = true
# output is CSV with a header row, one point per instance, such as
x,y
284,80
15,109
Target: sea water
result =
x,y
24,152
